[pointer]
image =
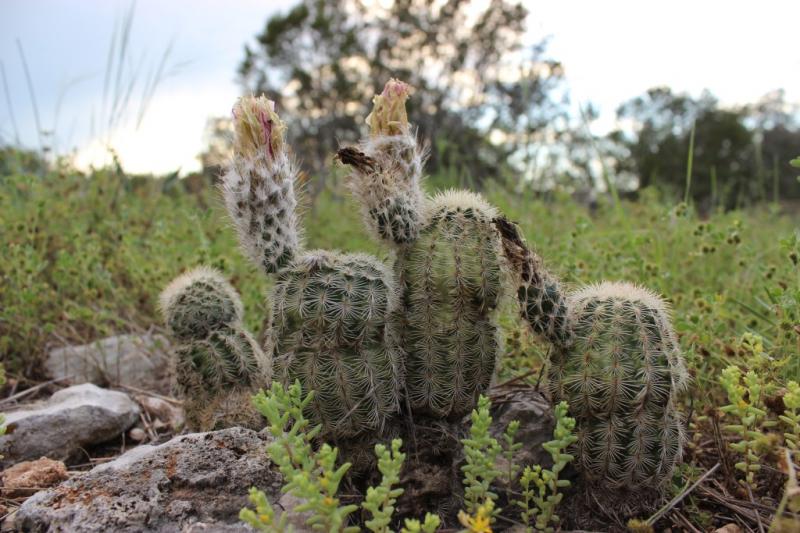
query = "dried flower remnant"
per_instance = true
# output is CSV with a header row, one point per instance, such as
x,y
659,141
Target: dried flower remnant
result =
x,y
388,115
257,127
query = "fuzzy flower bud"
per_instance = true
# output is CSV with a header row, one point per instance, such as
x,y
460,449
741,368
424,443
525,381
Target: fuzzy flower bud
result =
x,y
257,127
388,115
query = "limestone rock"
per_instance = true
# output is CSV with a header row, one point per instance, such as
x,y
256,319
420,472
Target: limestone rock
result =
x,y
196,482
71,419
140,361
536,423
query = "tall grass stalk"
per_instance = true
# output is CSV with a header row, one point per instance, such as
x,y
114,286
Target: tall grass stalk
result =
x,y
689,162
9,105
32,95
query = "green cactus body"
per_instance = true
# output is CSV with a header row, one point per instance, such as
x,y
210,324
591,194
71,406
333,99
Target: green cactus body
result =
x,y
217,363
199,302
330,325
217,375
621,374
451,282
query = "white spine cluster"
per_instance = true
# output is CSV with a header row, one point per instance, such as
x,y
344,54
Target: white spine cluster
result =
x,y
259,187
387,185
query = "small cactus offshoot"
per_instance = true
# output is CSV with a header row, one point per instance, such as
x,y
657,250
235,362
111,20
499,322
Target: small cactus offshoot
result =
x,y
217,363
199,302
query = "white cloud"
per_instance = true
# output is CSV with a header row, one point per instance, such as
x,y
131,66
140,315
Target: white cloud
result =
x,y
171,135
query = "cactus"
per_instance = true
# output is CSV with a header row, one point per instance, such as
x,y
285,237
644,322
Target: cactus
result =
x,y
331,332
448,263
621,377
328,319
217,363
451,284
387,169
259,186
616,361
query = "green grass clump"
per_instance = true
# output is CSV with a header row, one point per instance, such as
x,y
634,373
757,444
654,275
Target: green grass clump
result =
x,y
84,256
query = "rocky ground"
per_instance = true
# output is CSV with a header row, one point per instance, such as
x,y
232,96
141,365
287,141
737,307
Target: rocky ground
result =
x,y
101,447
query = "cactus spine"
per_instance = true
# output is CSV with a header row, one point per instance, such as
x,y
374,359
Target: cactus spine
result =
x,y
217,364
448,263
617,362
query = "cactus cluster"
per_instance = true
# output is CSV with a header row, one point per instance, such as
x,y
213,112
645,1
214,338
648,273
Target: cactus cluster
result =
x,y
418,339
617,362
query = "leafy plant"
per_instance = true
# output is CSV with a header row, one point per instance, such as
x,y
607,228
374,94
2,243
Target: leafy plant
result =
x,y
510,450
310,476
791,416
744,395
541,487
479,521
3,427
380,500
481,451
430,525
313,477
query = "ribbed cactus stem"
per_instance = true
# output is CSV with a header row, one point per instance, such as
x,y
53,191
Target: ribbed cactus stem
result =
x,y
451,283
216,376
199,302
542,301
330,322
621,377
217,364
387,169
259,186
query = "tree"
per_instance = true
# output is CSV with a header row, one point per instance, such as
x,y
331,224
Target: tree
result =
x,y
323,60
658,144
218,141
778,137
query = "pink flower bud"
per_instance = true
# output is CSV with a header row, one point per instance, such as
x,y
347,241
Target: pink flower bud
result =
x,y
258,129
388,115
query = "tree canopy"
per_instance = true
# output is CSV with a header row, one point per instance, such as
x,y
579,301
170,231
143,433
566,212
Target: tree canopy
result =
x,y
473,72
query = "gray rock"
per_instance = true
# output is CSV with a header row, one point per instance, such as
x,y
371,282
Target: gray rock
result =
x,y
135,360
69,420
196,482
536,423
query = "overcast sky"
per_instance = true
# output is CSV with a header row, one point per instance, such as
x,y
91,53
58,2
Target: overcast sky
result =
x,y
612,51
